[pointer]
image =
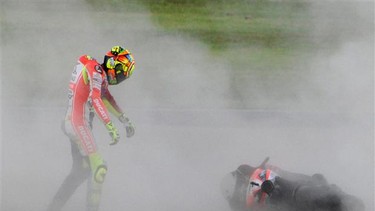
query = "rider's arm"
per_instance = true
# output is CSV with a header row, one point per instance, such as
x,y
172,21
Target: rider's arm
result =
x,y
96,80
111,104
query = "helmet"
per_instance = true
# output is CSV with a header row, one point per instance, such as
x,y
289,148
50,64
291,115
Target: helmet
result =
x,y
119,65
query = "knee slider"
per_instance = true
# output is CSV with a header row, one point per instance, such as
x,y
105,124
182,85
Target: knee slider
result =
x,y
100,173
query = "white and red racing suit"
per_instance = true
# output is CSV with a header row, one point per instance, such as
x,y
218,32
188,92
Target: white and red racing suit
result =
x,y
88,88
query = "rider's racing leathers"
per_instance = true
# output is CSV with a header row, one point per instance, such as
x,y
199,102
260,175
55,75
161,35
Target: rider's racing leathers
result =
x,y
88,90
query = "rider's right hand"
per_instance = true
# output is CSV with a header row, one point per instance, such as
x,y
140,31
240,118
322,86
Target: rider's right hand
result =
x,y
113,133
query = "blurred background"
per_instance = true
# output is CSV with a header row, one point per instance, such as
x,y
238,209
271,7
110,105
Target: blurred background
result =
x,y
217,84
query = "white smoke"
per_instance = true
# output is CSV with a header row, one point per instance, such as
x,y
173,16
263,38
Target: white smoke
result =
x,y
186,137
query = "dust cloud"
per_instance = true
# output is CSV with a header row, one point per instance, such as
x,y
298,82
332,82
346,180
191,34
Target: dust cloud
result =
x,y
187,134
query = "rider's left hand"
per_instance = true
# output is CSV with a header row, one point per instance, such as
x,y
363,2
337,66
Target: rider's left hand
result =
x,y
129,127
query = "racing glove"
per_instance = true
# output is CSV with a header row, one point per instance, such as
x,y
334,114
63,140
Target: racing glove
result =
x,y
98,167
128,125
113,133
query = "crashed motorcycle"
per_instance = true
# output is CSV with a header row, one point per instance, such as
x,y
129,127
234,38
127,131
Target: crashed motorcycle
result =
x,y
269,188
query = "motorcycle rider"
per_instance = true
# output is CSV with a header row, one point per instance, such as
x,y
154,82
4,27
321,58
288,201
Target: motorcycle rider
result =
x,y
89,93
261,188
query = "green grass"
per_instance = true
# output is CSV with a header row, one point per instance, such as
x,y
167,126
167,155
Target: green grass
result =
x,y
254,35
268,34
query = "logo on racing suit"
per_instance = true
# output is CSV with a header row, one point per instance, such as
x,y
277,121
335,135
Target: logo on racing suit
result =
x,y
98,68
100,108
97,80
86,139
70,94
77,70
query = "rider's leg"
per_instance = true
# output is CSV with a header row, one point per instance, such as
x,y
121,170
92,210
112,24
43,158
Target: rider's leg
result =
x,y
318,197
79,173
94,191
95,183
